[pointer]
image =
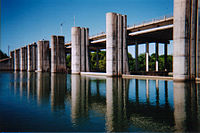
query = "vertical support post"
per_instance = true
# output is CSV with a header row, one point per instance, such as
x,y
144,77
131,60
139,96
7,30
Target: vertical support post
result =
x,y
165,54
147,57
58,58
30,58
136,57
181,39
23,58
87,51
193,37
76,46
17,60
116,47
157,56
83,51
43,56
12,60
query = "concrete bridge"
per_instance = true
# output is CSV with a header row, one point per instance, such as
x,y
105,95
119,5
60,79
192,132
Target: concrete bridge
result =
x,y
182,28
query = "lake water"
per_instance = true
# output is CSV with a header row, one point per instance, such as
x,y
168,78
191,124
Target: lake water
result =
x,y
60,102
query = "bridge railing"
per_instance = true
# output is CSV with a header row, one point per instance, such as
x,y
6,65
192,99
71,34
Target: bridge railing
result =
x,y
151,20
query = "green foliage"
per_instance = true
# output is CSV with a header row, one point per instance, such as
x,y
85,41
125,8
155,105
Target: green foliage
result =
x,y
101,64
3,55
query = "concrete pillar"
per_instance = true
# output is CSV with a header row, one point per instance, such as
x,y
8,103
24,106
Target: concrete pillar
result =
x,y
198,42
116,47
80,50
29,57
12,60
34,56
17,60
193,37
43,56
165,54
58,58
136,57
147,57
23,58
157,56
184,35
76,46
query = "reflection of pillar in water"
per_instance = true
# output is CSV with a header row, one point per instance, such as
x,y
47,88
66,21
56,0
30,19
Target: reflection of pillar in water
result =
x,y
157,93
23,84
58,91
115,107
198,105
180,106
79,97
136,91
43,87
31,85
147,91
111,84
16,82
75,97
166,94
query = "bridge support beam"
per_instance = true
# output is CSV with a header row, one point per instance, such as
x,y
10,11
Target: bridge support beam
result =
x,y
116,47
147,57
165,56
136,57
17,60
80,50
157,56
12,60
58,58
23,58
184,54
43,60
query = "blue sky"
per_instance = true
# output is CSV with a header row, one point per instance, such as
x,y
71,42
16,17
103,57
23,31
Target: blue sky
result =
x,y
27,21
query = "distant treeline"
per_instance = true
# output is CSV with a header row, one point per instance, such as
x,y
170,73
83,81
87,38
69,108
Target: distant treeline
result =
x,y
3,55
101,64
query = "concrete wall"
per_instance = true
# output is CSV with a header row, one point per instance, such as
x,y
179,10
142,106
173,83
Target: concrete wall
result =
x,y
43,56
80,50
116,47
58,57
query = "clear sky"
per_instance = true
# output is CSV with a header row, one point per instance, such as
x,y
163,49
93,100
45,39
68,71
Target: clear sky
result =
x,y
27,21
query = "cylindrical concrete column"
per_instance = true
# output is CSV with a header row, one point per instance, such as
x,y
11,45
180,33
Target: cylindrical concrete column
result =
x,y
43,56
147,57
87,50
83,50
17,60
136,56
165,54
157,56
181,39
111,44
34,56
58,58
75,58
23,58
30,60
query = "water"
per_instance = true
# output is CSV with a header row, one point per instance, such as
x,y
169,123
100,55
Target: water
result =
x,y
59,102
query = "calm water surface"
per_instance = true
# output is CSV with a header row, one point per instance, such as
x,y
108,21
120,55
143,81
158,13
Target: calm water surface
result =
x,y
59,102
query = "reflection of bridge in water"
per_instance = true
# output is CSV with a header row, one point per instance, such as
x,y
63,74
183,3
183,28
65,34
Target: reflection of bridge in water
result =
x,y
147,104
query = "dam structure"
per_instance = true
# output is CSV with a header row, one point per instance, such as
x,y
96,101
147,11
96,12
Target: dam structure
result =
x,y
182,28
